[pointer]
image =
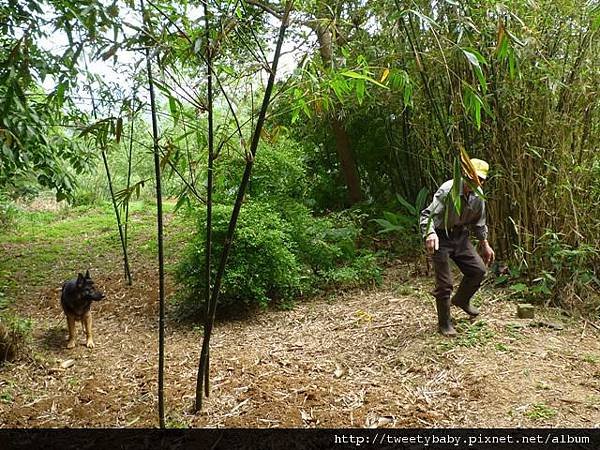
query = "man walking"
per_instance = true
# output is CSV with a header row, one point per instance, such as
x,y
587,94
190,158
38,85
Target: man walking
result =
x,y
447,236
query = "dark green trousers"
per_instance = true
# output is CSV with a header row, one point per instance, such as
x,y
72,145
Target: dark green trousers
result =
x,y
457,246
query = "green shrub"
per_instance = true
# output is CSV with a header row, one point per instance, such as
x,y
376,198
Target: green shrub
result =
x,y
568,271
279,253
558,273
86,196
402,225
280,250
279,171
359,271
261,263
8,212
15,332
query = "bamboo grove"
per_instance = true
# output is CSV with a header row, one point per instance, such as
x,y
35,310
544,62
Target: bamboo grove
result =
x,y
383,96
514,84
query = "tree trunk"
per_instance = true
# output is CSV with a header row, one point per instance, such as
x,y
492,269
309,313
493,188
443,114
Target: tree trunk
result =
x,y
343,148
343,145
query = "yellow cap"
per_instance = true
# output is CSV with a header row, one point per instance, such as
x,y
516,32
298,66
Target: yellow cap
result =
x,y
481,167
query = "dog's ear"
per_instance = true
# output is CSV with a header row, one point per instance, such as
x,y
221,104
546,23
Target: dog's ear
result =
x,y
87,274
80,279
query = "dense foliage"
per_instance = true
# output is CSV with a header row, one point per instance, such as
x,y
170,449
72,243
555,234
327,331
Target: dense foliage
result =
x,y
516,85
280,251
383,97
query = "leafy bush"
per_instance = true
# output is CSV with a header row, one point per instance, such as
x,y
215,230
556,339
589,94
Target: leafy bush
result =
x,y
261,262
565,275
14,333
87,195
279,171
568,271
278,253
404,225
8,212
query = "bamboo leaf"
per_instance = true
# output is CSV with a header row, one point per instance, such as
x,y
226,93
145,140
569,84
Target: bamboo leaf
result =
x,y
410,208
456,184
386,226
502,49
183,199
339,87
360,91
60,94
515,38
168,156
360,76
124,195
467,166
295,115
471,57
501,38
384,75
305,109
397,79
421,16
97,127
476,59
184,136
111,52
421,199
175,109
163,88
477,111
473,104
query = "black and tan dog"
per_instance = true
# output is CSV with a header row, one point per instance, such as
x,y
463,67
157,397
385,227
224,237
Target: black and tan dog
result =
x,y
76,300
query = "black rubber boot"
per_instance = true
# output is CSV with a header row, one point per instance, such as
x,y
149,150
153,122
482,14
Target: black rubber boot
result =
x,y
444,320
467,288
465,306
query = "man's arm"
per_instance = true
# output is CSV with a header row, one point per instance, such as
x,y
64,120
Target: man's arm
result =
x,y
427,220
480,230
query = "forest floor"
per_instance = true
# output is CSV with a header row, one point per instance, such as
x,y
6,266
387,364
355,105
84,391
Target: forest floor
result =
x,y
360,358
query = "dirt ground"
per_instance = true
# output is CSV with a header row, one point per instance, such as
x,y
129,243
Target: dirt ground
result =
x,y
365,358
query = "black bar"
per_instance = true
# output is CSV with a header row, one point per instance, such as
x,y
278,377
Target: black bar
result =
x,y
304,439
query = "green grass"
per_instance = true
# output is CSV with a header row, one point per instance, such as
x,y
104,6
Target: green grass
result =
x,y
404,290
475,334
502,347
7,395
48,247
592,359
513,330
540,411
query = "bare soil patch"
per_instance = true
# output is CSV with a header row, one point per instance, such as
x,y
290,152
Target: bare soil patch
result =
x,y
362,358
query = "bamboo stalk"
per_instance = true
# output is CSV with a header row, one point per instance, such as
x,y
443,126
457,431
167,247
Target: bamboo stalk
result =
x,y
204,355
159,226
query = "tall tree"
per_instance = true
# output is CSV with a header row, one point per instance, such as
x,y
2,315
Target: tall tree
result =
x,y
331,23
33,144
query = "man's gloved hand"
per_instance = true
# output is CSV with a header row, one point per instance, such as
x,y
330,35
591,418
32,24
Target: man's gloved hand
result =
x,y
432,243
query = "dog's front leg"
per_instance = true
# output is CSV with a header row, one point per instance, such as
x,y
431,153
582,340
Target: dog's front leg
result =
x,y
87,324
72,333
